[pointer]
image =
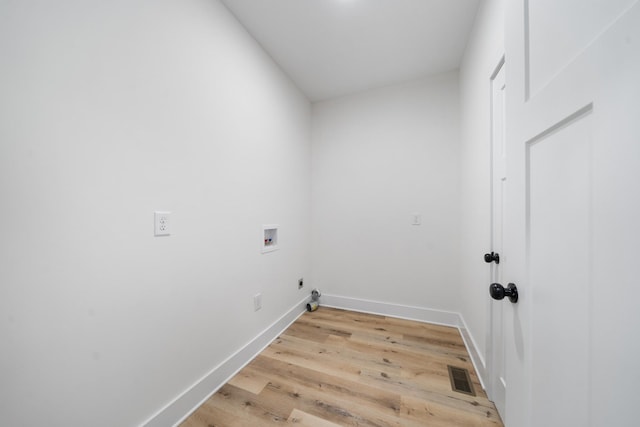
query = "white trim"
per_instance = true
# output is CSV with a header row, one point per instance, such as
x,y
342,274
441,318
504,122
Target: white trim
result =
x,y
428,315
476,357
189,400
420,314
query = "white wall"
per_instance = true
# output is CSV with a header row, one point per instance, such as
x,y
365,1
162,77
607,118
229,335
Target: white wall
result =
x,y
483,53
377,157
109,111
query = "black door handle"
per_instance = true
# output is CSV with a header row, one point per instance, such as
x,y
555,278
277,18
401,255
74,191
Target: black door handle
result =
x,y
489,258
497,291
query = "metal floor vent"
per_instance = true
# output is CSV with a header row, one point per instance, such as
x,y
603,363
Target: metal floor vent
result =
x,y
460,380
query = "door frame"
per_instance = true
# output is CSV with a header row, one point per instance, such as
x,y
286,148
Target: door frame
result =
x,y
491,359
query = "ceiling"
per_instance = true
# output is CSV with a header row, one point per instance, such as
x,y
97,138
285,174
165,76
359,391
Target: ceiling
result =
x,y
332,48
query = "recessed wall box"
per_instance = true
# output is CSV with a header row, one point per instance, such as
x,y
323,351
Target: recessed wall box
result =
x,y
269,238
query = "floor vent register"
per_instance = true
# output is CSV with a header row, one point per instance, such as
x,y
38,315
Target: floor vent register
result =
x,y
460,380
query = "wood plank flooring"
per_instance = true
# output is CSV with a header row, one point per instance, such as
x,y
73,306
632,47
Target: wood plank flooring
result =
x,y
340,368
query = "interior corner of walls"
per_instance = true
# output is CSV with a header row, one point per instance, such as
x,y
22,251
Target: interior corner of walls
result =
x,y
420,314
176,411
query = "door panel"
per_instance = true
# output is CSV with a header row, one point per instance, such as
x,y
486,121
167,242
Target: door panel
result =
x,y
552,43
573,156
559,247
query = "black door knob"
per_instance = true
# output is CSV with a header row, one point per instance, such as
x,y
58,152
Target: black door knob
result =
x,y
489,258
497,291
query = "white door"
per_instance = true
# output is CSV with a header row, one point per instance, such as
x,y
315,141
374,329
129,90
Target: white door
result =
x,y
496,383
573,212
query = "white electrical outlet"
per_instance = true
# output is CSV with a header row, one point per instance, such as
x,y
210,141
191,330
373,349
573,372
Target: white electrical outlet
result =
x,y
416,218
257,302
162,223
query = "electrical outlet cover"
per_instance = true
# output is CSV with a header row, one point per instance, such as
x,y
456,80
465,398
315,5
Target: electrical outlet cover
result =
x,y
162,223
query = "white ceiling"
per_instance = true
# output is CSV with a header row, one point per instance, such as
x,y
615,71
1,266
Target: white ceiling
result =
x,y
336,47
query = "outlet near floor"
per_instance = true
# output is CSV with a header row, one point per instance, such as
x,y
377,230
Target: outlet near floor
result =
x,y
257,302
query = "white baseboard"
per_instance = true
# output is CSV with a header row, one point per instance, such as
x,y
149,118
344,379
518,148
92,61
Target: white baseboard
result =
x,y
476,357
189,400
420,314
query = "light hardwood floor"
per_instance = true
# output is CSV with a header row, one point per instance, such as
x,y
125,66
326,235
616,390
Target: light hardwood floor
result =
x,y
341,368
